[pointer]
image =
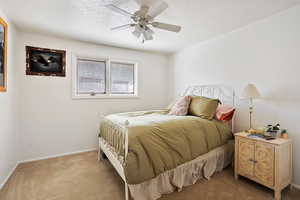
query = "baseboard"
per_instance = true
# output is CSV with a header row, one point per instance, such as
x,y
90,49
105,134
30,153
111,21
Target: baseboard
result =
x,y
296,186
8,176
57,155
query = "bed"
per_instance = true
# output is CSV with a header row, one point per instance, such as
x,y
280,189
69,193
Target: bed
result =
x,y
156,153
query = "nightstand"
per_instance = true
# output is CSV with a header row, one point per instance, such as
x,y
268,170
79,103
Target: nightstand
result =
x,y
268,162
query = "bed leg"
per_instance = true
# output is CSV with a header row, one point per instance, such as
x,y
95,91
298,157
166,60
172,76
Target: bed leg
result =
x,y
126,192
100,156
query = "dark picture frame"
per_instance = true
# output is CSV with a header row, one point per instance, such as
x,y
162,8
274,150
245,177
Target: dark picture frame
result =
x,y
3,54
45,62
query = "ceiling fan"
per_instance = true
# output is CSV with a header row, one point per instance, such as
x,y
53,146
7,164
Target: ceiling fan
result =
x,y
143,19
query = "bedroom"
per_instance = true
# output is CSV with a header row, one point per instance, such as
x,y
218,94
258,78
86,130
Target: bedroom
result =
x,y
49,131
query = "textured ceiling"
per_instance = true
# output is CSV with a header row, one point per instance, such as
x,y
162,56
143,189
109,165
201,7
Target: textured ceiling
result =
x,y
88,20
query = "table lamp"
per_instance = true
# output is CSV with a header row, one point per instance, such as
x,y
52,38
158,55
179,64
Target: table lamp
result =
x,y
250,92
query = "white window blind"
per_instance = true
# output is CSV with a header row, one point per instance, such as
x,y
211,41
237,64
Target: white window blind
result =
x,y
122,78
91,76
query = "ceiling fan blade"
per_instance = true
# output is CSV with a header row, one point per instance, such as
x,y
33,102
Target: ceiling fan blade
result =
x,y
123,27
168,27
118,10
143,11
157,9
145,2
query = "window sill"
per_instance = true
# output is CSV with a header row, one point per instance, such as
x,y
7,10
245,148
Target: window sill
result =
x,y
105,97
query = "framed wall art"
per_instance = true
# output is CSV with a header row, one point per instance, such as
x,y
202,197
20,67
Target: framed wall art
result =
x,y
3,55
45,62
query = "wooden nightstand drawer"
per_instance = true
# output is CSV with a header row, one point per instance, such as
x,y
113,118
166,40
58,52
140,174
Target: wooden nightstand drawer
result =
x,y
266,162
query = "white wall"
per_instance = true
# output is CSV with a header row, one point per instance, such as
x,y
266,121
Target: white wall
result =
x,y
52,123
265,53
8,112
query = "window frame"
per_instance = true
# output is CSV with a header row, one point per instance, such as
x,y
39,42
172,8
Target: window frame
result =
x,y
107,94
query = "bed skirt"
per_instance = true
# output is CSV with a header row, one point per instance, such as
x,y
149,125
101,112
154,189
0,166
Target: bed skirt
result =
x,y
186,174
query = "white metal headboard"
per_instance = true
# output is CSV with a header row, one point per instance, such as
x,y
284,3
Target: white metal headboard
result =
x,y
224,93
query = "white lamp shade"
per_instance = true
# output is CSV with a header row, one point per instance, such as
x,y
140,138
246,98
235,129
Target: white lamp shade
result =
x,y
250,92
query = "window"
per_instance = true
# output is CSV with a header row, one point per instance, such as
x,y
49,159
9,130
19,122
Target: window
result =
x,y
104,78
90,76
122,78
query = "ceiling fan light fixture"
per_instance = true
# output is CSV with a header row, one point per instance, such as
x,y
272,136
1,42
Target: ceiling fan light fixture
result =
x,y
147,35
137,33
149,31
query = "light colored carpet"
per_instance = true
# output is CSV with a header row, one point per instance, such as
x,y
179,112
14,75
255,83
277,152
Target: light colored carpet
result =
x,y
82,177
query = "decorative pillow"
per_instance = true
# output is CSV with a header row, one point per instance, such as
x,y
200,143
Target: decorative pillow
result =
x,y
170,106
224,112
181,106
203,107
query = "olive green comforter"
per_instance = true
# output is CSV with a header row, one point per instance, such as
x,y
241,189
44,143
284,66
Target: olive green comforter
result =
x,y
159,142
